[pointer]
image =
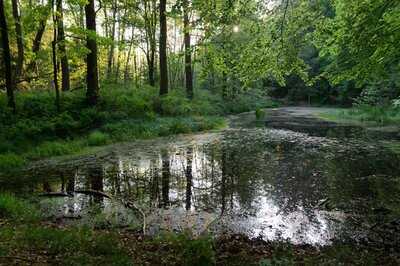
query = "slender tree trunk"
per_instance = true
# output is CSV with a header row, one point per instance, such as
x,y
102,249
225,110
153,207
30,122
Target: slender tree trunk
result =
x,y
135,69
188,51
65,84
20,44
38,39
163,49
92,79
7,57
110,58
151,68
54,53
128,58
121,38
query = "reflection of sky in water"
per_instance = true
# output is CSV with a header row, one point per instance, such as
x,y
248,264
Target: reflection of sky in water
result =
x,y
247,185
271,223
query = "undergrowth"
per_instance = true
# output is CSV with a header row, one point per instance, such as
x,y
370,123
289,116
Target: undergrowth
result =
x,y
123,114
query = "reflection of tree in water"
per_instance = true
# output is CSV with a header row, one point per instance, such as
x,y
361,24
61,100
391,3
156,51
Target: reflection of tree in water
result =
x,y
165,178
95,177
189,177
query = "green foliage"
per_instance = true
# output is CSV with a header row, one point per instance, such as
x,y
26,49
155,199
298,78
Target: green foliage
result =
x,y
55,148
342,41
175,103
260,113
17,210
97,138
10,161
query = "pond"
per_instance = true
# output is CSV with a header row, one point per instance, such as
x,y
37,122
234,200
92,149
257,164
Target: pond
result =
x,y
257,179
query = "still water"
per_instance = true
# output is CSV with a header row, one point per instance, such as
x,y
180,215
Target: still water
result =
x,y
273,183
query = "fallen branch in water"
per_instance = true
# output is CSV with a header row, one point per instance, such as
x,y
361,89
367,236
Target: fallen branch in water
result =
x,y
130,204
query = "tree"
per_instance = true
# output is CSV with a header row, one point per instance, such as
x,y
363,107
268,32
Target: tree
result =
x,y
65,83
54,56
7,57
188,50
163,49
20,44
110,57
92,79
37,41
149,16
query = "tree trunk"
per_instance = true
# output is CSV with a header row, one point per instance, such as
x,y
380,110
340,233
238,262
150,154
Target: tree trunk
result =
x,y
7,57
38,40
151,68
188,51
54,53
65,85
121,39
128,58
110,58
92,79
20,44
163,49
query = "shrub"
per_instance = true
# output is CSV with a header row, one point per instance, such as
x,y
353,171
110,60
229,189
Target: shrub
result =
x,y
98,138
260,113
175,104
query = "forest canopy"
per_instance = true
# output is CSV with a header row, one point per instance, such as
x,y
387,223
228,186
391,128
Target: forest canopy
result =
x,y
331,50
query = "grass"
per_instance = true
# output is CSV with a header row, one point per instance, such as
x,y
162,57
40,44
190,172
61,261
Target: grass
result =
x,y
125,113
17,209
369,115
